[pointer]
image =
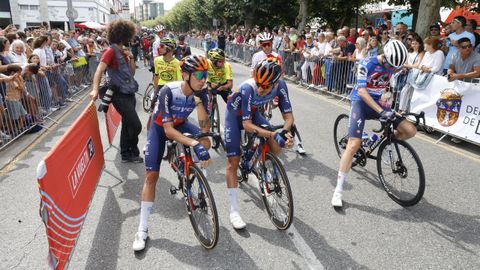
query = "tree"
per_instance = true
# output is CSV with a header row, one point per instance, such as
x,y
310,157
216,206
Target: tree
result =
x,y
430,10
303,13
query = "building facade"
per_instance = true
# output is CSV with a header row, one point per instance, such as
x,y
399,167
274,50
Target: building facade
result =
x,y
148,10
31,13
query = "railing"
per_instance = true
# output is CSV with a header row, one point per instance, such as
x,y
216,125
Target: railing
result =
x,y
26,103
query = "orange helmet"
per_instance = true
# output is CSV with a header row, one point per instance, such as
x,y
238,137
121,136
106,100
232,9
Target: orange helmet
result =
x,y
194,63
267,72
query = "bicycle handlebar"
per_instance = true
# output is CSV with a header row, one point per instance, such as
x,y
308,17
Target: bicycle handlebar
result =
x,y
418,117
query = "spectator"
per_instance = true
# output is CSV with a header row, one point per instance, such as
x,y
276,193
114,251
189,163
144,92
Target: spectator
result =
x,y
352,37
384,38
401,32
465,65
277,41
310,54
15,89
435,31
471,27
221,40
288,49
345,49
433,59
293,35
182,49
458,28
330,43
373,49
119,64
416,53
135,44
321,44
360,50
366,36
17,53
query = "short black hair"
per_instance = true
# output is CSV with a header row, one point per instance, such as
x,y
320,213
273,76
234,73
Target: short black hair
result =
x,y
464,39
461,19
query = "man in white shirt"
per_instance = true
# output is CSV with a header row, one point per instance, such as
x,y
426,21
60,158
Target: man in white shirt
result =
x,y
458,31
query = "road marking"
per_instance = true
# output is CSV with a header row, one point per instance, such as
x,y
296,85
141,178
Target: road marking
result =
x,y
10,165
422,137
304,250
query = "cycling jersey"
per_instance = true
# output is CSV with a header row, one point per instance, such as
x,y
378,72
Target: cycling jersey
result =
x,y
173,106
243,104
219,75
259,56
167,71
373,76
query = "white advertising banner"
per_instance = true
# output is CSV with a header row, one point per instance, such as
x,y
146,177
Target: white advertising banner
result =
x,y
452,107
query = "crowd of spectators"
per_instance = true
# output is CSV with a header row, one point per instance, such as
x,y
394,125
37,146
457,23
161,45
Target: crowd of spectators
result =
x,y
40,70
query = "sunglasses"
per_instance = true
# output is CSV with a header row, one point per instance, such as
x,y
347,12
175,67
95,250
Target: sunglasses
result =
x,y
466,46
200,75
385,33
219,62
410,39
267,44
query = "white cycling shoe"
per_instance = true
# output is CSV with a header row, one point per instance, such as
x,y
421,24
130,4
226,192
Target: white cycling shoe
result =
x,y
299,148
139,242
237,221
337,199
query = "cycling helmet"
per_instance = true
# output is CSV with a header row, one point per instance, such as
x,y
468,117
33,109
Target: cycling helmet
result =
x,y
267,72
169,42
194,63
216,55
159,28
265,37
395,53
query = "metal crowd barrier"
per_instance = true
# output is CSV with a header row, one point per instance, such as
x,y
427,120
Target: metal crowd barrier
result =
x,y
24,108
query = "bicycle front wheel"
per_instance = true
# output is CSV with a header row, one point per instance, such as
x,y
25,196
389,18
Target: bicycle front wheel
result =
x,y
340,133
401,172
276,192
201,208
148,98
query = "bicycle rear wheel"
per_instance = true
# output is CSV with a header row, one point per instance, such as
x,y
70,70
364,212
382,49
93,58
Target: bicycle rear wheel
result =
x,y
201,208
215,127
401,172
147,98
340,133
276,192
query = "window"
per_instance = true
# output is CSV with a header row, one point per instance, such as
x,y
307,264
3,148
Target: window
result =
x,y
90,9
29,7
23,7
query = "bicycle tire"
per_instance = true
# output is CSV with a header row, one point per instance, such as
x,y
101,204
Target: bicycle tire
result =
x,y
340,140
147,100
402,172
285,191
215,127
192,208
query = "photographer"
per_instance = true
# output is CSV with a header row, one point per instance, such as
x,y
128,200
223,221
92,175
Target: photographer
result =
x,y
120,67
182,50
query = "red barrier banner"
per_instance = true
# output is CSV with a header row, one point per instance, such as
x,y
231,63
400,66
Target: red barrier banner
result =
x,y
112,121
67,179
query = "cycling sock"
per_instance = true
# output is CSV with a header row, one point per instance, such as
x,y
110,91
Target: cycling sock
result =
x,y
232,195
145,210
340,181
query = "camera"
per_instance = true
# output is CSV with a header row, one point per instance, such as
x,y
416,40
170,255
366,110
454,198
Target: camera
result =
x,y
106,98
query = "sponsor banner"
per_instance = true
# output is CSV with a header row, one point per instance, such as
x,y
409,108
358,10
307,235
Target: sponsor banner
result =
x,y
452,107
112,121
67,179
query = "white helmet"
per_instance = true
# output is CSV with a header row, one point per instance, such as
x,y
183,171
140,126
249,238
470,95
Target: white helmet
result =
x,y
265,37
159,28
395,53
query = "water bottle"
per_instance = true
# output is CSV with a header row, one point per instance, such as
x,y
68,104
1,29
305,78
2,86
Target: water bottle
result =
x,y
372,140
365,139
248,156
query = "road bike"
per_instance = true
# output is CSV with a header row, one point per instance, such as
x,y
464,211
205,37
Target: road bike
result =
x,y
399,167
196,191
215,117
148,97
272,178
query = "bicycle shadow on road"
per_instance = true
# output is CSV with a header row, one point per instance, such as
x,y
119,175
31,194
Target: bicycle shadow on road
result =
x,y
457,228
228,254
307,166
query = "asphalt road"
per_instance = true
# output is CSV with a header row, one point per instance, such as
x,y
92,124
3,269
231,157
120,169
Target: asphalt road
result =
x,y
371,232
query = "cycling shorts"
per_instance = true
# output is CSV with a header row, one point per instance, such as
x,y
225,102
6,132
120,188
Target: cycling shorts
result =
x,y
359,112
156,139
233,128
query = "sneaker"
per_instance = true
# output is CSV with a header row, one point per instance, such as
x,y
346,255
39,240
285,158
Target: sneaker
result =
x,y
139,242
337,199
237,221
456,140
299,149
136,159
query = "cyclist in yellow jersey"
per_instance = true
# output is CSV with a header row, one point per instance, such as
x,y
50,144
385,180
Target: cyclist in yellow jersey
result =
x,y
167,69
219,74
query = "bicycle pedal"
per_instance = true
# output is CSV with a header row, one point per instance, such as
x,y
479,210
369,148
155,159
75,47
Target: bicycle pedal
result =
x,y
173,190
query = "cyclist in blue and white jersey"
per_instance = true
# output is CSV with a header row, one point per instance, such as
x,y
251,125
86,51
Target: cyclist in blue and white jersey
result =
x,y
175,103
242,113
369,102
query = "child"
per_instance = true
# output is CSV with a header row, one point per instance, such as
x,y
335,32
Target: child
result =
x,y
15,88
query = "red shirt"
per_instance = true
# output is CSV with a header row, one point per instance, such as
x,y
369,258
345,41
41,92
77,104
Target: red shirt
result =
x,y
109,58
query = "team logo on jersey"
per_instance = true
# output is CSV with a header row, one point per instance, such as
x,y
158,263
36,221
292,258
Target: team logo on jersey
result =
x,y
378,80
166,76
448,107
